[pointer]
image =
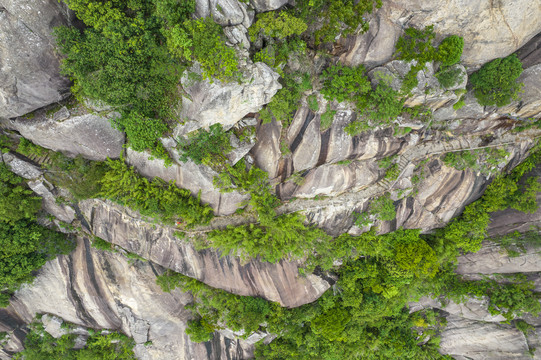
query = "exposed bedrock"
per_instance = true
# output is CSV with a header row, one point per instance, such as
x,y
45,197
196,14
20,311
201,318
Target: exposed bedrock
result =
x,y
73,132
98,290
278,282
490,29
29,66
208,103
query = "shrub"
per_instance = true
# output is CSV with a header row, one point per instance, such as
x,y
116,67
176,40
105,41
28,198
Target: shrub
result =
x,y
39,344
156,198
383,208
449,77
17,202
496,82
277,25
450,50
204,146
335,17
208,48
343,83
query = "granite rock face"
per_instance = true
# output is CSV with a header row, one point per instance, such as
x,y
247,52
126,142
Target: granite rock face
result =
x,y
88,135
97,289
490,29
29,66
209,103
276,282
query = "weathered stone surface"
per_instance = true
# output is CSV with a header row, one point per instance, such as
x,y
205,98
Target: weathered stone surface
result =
x,y
482,340
22,168
226,103
471,309
196,178
276,282
268,5
490,29
266,151
29,69
99,289
494,259
91,136
224,12
62,212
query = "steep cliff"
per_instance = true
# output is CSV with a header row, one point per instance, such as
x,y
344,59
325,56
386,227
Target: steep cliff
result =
x,y
316,167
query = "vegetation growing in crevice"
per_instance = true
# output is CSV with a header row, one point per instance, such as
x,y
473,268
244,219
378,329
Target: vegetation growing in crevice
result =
x,y
364,315
158,199
483,160
496,82
39,344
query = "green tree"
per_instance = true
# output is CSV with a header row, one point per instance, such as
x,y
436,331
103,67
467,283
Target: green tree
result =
x,y
496,82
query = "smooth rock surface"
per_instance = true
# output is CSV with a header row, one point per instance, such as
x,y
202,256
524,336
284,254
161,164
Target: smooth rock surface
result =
x,y
98,289
268,5
29,65
89,135
279,282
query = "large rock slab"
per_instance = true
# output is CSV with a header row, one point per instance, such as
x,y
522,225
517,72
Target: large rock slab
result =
x,y
492,259
490,29
529,103
29,66
482,340
89,135
98,289
278,282
209,103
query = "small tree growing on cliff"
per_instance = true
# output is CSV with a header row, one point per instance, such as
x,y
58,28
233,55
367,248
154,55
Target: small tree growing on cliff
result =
x,y
496,82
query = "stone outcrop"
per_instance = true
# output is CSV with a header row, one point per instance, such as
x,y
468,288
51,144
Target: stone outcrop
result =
x,y
490,29
74,132
99,290
29,66
268,5
214,102
278,282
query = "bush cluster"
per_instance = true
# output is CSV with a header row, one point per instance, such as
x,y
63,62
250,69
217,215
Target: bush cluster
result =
x,y
496,82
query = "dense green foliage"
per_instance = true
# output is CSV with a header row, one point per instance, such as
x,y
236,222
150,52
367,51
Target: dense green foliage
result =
x,y
496,82
131,56
277,25
335,17
207,47
482,160
284,103
204,146
40,345
273,237
16,200
25,246
156,198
